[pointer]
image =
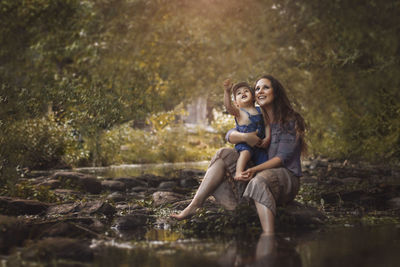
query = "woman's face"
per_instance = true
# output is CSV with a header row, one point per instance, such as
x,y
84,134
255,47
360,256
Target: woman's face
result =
x,y
264,92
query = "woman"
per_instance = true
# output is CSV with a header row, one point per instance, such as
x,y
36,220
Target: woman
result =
x,y
273,182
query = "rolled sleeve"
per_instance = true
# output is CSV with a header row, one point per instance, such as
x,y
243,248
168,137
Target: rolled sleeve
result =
x,y
229,133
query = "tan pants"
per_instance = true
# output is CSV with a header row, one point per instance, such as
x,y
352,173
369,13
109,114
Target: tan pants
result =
x,y
270,187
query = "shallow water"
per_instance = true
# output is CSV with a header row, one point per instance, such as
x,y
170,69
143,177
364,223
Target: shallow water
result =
x,y
342,246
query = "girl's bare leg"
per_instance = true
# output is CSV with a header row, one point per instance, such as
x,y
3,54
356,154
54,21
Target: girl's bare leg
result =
x,y
212,179
244,157
267,218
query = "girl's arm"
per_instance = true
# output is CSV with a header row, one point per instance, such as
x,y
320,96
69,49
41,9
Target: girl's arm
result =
x,y
227,99
235,137
275,162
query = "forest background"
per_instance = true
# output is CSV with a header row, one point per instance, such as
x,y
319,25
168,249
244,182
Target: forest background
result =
x,y
100,82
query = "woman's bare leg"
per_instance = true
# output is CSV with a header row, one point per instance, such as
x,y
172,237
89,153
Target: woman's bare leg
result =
x,y
267,218
212,179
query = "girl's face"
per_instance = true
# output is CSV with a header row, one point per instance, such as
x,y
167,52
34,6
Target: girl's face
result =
x,y
244,97
264,92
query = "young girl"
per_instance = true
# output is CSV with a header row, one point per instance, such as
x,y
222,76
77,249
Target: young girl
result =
x,y
248,119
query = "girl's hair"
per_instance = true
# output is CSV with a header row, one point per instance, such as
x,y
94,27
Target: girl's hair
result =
x,y
242,84
284,112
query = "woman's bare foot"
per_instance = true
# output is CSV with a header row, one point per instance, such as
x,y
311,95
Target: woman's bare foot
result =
x,y
184,214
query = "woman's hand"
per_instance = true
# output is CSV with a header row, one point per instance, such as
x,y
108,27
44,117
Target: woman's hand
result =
x,y
252,139
247,175
235,137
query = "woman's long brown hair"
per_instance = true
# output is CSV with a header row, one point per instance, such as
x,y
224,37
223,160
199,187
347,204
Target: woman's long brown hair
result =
x,y
284,112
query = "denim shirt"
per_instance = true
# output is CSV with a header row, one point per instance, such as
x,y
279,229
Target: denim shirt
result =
x,y
284,146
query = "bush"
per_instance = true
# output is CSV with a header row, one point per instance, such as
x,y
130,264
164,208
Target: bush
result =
x,y
41,143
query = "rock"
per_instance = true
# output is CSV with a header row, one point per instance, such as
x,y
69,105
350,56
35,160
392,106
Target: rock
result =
x,y
300,215
117,197
334,181
84,208
189,183
131,182
16,206
394,203
139,189
62,209
308,180
167,185
13,231
52,184
59,248
131,222
162,197
351,180
85,182
97,206
111,185
66,229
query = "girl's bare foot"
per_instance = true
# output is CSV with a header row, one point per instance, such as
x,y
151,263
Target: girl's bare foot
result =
x,y
184,214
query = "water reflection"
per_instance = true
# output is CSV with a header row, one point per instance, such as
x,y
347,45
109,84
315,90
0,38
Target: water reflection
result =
x,y
362,246
269,250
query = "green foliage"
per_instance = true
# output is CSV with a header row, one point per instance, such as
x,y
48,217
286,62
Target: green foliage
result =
x,y
95,65
26,190
124,144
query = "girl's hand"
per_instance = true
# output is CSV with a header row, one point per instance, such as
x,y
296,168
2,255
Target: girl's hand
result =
x,y
264,143
227,85
247,175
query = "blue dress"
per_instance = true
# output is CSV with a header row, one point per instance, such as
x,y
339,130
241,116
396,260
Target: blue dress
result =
x,y
258,155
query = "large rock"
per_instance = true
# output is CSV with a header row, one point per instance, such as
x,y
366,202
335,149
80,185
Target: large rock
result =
x,y
16,206
85,182
131,222
84,208
394,202
298,214
13,231
131,182
162,197
168,185
98,207
110,185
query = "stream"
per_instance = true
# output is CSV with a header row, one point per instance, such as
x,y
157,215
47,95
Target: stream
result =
x,y
335,245
342,245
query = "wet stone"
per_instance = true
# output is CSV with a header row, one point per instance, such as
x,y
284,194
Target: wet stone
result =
x,y
167,185
16,206
85,182
162,197
117,197
351,180
52,184
131,222
111,185
62,209
131,182
13,232
189,183
394,202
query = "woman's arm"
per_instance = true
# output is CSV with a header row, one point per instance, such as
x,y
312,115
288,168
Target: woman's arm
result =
x,y
235,137
275,162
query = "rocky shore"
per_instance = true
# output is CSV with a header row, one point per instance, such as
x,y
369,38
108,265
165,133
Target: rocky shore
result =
x,y
81,208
